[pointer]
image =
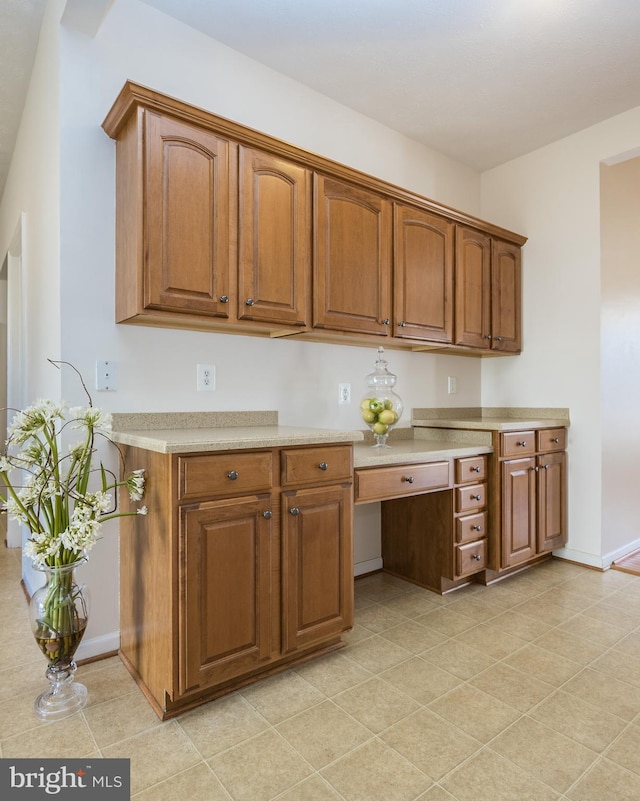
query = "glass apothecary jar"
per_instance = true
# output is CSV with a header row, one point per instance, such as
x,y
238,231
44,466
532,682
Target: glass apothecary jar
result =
x,y
381,407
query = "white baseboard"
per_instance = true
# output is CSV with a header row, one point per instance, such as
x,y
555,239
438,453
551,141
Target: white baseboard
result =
x,y
611,557
603,562
98,646
582,558
370,566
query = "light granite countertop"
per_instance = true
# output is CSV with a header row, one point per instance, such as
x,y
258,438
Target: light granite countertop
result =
x,y
412,451
490,418
435,433
183,432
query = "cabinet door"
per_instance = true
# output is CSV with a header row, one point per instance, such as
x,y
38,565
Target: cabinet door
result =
x,y
473,288
225,590
506,297
423,275
518,511
187,221
352,258
274,240
317,565
552,506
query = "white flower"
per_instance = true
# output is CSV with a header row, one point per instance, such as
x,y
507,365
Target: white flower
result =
x,y
35,419
95,419
135,485
55,495
142,510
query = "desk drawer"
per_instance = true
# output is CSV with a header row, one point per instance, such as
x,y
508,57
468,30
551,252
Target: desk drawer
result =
x,y
380,483
471,527
229,473
317,464
518,443
552,439
473,496
470,469
471,558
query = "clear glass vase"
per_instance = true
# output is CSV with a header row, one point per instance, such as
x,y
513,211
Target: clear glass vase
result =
x,y
58,612
381,407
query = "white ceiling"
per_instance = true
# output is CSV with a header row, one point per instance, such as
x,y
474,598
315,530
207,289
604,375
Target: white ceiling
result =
x,y
483,81
20,22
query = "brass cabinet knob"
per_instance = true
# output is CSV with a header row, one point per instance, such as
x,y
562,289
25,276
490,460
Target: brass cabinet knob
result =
x,y
249,302
267,515
232,474
224,298
476,497
408,479
323,466
476,528
294,511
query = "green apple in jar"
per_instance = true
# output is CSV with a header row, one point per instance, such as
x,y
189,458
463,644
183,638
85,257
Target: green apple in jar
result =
x,y
376,405
380,428
387,417
368,416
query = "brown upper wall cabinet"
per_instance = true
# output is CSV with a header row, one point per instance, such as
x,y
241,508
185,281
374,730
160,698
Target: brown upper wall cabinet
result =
x,y
423,275
352,258
274,223
488,292
220,227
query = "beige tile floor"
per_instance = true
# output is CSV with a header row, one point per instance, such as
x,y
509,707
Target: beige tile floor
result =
x,y
525,691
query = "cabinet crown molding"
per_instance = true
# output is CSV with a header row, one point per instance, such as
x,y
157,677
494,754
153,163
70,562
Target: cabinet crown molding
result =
x,y
134,96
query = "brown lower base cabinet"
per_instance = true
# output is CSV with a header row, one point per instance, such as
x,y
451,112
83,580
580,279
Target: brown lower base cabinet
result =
x,y
242,566
433,519
532,505
496,515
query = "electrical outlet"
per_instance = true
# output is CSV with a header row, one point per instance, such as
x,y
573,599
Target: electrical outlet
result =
x,y
344,393
452,385
205,377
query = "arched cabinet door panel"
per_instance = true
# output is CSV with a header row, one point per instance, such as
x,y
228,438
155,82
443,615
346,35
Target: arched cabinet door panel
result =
x,y
423,275
274,250
187,218
351,258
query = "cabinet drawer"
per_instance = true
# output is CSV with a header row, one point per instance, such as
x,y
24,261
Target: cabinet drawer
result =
x,y
393,482
518,443
473,468
471,557
324,463
471,527
230,473
473,496
552,439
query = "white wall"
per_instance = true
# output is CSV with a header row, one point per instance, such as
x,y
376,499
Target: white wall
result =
x,y
31,199
620,352
156,368
553,196
30,206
